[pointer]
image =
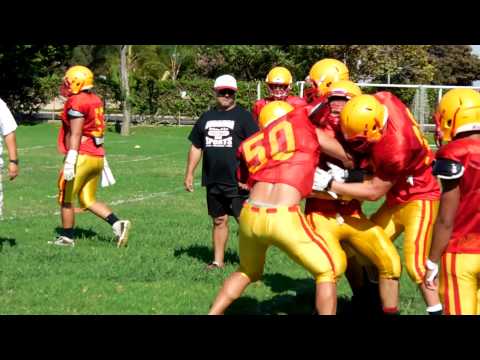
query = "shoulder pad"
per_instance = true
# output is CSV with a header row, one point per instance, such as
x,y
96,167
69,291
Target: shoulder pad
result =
x,y
448,169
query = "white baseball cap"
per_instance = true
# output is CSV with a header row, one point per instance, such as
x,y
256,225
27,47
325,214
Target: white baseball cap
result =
x,y
225,82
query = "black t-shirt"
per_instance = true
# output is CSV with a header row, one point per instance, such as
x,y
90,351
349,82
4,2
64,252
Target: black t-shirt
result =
x,y
219,134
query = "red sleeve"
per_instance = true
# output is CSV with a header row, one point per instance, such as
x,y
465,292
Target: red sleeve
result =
x,y
296,101
257,107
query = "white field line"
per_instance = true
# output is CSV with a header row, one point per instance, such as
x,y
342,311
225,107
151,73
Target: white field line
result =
x,y
36,147
115,202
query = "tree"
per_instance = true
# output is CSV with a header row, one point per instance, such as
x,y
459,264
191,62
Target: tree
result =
x,y
454,64
245,62
124,50
22,72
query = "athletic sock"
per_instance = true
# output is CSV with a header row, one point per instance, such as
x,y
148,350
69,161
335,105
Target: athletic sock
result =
x,y
111,219
68,233
435,310
391,311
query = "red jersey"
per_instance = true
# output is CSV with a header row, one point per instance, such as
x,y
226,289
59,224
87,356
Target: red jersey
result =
x,y
466,229
89,106
286,152
295,101
331,126
403,156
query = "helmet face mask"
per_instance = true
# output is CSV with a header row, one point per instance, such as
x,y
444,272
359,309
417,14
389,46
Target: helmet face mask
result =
x,y
278,91
339,93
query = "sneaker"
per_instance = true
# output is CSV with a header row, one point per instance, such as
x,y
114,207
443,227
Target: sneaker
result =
x,y
63,241
121,229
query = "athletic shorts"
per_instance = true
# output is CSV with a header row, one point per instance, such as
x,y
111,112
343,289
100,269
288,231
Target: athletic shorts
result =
x,y
225,200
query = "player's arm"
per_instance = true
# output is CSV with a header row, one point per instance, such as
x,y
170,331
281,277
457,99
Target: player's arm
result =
x,y
194,156
333,148
11,145
442,230
371,190
75,134
73,139
446,217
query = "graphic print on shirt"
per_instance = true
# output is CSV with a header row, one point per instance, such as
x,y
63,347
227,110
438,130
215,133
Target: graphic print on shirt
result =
x,y
219,133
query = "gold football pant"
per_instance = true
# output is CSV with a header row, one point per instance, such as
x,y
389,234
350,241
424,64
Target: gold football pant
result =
x,y
287,229
88,172
365,237
460,284
415,219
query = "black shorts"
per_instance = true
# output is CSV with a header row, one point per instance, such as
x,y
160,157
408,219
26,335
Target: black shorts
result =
x,y
225,200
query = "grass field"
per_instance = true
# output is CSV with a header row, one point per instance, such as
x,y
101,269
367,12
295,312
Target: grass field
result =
x,y
162,270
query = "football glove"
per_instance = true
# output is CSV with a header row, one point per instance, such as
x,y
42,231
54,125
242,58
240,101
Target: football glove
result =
x,y
69,165
338,174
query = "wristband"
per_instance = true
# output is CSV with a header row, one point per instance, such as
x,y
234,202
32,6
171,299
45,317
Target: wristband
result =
x,y
431,265
355,175
14,161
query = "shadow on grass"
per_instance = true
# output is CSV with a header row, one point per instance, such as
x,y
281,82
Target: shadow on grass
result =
x,y
88,234
285,304
300,303
9,241
205,254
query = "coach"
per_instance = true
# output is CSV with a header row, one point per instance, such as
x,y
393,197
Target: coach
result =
x,y
217,135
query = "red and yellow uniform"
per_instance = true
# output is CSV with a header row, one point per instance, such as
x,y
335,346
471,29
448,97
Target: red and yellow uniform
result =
x,y
403,156
460,264
364,236
295,101
89,164
286,151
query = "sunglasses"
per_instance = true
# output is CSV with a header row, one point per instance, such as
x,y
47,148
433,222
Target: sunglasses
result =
x,y
224,92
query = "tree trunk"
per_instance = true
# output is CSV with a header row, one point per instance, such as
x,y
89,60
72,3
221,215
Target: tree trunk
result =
x,y
125,89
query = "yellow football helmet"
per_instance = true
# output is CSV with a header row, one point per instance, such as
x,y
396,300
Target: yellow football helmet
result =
x,y
343,88
325,72
279,80
77,78
362,121
458,111
273,111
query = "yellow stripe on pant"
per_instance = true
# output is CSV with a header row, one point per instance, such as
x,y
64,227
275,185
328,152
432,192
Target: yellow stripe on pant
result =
x,y
416,219
459,284
88,172
366,238
287,229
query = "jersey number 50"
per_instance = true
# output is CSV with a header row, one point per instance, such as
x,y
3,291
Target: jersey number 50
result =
x,y
279,146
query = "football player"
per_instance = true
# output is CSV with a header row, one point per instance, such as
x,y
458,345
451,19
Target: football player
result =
x,y
81,140
279,82
343,223
271,162
456,234
383,128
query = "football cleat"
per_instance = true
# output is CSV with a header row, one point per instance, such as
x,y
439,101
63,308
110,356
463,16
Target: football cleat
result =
x,y
63,241
121,229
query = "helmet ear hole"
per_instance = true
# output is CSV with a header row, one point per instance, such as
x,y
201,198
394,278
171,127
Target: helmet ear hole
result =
x,y
374,127
449,123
